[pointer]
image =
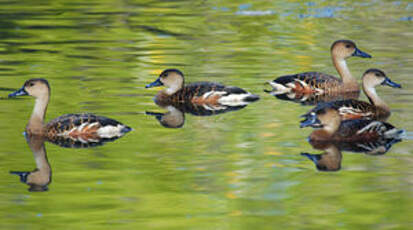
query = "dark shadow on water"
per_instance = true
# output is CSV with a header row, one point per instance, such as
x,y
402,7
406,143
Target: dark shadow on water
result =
x,y
175,117
330,159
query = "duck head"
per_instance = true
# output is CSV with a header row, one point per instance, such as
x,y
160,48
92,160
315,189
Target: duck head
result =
x,y
37,180
36,87
343,49
375,77
327,119
173,79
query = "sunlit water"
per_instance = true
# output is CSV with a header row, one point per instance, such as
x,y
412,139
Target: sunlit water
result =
x,y
237,170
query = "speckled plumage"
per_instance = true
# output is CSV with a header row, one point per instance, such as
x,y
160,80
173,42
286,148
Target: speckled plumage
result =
x,y
355,130
354,109
67,130
194,92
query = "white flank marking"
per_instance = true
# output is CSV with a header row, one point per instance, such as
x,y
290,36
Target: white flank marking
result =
x,y
281,89
371,126
234,99
110,131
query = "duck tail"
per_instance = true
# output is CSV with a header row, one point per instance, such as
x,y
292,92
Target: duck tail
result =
x,y
251,98
126,129
279,88
395,134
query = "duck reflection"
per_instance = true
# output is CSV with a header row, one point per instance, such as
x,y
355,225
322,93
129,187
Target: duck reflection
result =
x,y
330,160
38,179
175,117
41,176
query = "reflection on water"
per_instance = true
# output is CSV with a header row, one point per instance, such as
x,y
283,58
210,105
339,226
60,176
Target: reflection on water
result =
x,y
41,176
237,170
175,117
331,159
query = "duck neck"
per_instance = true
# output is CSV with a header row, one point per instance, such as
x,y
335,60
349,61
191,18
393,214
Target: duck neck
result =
x,y
331,128
173,89
39,111
344,71
374,98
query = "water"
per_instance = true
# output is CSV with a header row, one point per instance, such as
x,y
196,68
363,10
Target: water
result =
x,y
237,170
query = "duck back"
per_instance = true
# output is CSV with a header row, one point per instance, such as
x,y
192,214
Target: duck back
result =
x,y
84,128
208,93
307,83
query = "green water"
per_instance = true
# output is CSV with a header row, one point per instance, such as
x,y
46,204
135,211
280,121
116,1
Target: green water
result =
x,y
238,170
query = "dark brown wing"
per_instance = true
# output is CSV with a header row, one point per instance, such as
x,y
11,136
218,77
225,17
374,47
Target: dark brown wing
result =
x,y
313,79
83,130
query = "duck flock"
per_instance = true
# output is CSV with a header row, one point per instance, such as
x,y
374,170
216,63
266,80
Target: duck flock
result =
x,y
340,120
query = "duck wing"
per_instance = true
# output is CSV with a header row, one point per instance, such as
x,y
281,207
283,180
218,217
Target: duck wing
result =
x,y
308,82
84,130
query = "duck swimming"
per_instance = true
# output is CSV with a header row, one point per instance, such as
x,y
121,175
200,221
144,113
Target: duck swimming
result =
x,y
330,128
205,93
320,83
82,127
349,109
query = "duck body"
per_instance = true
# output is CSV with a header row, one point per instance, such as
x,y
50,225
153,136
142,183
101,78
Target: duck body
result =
x,y
320,83
79,129
198,93
82,128
356,131
351,109
311,83
330,127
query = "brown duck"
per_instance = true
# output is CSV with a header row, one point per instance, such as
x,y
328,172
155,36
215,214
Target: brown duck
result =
x,y
202,93
320,83
330,128
350,109
80,127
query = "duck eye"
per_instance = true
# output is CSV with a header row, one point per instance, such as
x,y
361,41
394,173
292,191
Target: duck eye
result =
x,y
31,84
348,46
377,75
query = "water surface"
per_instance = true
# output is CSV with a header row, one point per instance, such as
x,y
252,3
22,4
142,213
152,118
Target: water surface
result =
x,y
237,170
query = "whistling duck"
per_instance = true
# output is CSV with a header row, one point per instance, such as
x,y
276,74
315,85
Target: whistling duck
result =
x,y
202,93
320,83
83,127
350,109
330,128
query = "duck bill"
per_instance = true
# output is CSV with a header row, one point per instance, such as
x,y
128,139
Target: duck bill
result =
x,y
359,53
310,121
23,175
388,82
154,84
20,92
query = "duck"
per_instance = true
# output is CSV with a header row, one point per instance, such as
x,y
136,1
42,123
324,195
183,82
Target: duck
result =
x,y
321,83
351,109
330,127
81,127
38,179
199,93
